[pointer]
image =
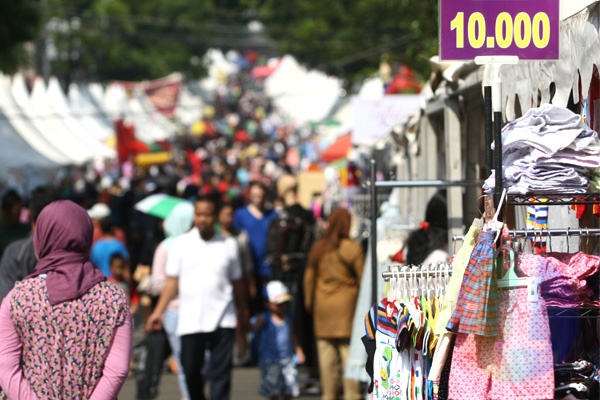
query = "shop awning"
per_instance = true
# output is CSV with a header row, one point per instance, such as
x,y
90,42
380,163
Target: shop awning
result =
x,y
338,150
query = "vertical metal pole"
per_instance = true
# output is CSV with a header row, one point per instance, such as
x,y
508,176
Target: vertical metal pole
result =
x,y
373,236
498,156
487,109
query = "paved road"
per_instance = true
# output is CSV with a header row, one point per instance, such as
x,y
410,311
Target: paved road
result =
x,y
245,386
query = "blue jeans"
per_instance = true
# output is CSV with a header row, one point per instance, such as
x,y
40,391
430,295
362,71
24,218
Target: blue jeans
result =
x,y
170,325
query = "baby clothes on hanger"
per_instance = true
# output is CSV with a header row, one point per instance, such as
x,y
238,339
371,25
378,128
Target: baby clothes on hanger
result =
x,y
477,306
516,365
391,368
459,265
564,276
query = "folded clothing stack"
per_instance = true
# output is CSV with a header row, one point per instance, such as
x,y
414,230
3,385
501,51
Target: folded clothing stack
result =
x,y
548,150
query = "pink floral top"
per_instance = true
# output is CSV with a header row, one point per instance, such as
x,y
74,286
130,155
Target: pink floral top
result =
x,y
65,347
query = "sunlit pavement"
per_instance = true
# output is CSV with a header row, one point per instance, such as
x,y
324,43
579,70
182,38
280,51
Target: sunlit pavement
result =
x,y
245,386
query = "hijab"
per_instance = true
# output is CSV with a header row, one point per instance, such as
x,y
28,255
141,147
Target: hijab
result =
x,y
339,228
62,242
178,222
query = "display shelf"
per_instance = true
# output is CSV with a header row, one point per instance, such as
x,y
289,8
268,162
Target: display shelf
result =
x,y
583,312
546,199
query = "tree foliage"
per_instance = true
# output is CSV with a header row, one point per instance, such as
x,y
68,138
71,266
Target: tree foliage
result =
x,y
145,39
19,21
137,40
349,37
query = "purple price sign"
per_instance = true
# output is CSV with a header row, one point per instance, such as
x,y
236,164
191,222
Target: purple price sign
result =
x,y
528,29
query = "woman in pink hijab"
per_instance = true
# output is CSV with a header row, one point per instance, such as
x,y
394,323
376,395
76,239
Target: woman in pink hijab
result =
x,y
65,333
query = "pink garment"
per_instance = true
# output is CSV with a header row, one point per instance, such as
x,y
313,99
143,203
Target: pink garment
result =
x,y
563,276
158,277
550,266
516,365
79,349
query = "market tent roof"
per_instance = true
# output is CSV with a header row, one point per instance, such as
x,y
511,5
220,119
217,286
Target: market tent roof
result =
x,y
23,127
60,107
338,150
579,53
189,106
16,106
54,126
149,124
88,112
300,94
15,152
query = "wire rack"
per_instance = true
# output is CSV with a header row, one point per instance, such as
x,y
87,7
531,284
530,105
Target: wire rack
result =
x,y
578,312
553,199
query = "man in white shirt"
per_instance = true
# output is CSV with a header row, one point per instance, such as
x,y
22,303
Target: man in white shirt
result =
x,y
204,268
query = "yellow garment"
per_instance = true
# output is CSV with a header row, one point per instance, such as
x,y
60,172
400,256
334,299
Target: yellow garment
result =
x,y
458,270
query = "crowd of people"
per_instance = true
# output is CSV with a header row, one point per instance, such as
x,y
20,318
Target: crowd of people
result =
x,y
214,267
239,274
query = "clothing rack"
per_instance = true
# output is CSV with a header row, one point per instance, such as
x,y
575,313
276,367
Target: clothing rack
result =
x,y
374,187
515,233
415,272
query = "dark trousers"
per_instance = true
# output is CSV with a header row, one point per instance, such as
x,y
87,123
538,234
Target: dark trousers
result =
x,y
220,345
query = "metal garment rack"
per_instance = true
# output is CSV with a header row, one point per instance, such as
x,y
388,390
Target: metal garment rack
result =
x,y
374,186
533,233
418,273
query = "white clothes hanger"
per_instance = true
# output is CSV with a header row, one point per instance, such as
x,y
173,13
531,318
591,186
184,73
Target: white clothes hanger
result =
x,y
495,224
512,280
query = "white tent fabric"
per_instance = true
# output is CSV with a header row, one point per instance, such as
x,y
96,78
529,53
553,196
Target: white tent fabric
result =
x,y
15,152
113,101
88,113
304,96
189,107
148,126
155,117
49,124
579,53
17,96
218,65
97,92
58,104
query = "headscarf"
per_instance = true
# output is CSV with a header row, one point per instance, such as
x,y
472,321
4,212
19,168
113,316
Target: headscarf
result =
x,y
62,241
339,228
178,222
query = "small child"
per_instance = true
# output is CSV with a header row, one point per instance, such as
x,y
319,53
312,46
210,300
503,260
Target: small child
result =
x,y
278,345
120,274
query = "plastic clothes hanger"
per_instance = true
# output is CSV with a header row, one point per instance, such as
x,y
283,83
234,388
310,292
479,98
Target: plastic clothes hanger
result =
x,y
495,224
397,288
512,280
390,293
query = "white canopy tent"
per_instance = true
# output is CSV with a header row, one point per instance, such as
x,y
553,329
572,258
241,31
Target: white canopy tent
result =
x,y
189,107
88,112
304,96
60,108
118,104
14,96
15,152
48,123
165,128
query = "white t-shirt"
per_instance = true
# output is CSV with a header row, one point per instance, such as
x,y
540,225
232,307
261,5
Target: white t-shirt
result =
x,y
205,270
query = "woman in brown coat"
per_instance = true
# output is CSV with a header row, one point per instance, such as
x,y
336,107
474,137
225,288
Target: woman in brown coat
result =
x,y
331,281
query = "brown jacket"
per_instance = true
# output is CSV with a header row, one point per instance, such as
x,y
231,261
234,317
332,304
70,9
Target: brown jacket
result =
x,y
331,290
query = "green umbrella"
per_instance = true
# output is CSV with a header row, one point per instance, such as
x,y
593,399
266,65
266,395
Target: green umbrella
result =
x,y
158,205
